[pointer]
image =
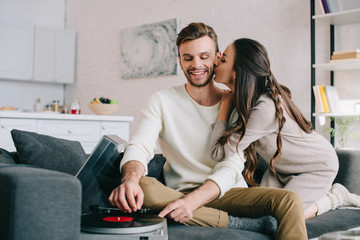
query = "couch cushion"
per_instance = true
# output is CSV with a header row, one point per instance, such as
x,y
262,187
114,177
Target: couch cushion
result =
x,y
48,152
38,204
8,157
335,220
349,168
180,232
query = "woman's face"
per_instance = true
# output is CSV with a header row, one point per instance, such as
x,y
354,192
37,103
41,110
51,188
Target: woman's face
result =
x,y
224,67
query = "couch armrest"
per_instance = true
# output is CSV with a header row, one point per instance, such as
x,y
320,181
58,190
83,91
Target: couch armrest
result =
x,y
349,169
38,204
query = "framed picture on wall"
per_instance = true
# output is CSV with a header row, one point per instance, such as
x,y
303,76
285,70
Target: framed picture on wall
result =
x,y
149,50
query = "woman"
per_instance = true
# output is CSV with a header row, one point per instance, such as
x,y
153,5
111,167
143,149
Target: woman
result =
x,y
266,121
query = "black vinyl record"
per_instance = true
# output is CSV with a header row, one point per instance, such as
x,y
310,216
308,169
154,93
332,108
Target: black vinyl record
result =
x,y
120,223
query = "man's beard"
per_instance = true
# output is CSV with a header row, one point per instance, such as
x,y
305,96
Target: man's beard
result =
x,y
188,77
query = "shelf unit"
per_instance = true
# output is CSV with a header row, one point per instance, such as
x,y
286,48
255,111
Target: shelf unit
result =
x,y
336,114
340,65
339,18
333,19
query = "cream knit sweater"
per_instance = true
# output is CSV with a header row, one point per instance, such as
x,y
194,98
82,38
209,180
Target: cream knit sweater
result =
x,y
184,130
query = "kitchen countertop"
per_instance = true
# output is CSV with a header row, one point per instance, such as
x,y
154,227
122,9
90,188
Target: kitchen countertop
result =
x,y
54,115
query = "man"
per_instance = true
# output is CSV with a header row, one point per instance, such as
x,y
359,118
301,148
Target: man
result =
x,y
198,191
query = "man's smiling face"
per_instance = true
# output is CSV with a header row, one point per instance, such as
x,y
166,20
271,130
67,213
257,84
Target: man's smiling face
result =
x,y
197,59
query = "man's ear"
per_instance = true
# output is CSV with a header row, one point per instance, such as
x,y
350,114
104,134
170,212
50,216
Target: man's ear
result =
x,y
180,63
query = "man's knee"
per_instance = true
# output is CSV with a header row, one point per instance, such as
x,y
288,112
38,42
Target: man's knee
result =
x,y
151,199
148,182
289,199
156,194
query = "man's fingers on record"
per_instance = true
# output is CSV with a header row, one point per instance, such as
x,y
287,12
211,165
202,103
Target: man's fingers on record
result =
x,y
140,200
123,202
116,198
110,199
130,196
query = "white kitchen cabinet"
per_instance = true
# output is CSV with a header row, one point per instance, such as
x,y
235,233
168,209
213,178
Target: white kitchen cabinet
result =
x,y
54,59
8,124
87,129
86,132
112,127
65,49
16,51
70,129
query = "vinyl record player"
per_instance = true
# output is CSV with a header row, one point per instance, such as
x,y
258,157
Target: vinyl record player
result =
x,y
99,220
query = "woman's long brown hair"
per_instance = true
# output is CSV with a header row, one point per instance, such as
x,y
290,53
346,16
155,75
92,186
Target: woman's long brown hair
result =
x,y
254,78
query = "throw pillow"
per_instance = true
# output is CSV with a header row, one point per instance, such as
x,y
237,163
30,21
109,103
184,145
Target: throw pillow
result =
x,y
155,167
48,152
8,157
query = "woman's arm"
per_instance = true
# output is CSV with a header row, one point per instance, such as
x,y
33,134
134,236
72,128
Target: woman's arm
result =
x,y
262,121
217,149
227,105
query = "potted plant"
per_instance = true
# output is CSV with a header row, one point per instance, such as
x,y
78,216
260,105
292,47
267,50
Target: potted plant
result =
x,y
341,130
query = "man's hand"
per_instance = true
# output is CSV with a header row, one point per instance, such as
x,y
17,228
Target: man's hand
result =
x,y
129,196
181,210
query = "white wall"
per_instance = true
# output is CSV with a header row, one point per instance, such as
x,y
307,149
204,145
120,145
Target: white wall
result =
x,y
50,13
281,25
23,94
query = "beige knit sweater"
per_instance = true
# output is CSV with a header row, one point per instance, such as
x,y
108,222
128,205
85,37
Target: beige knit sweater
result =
x,y
308,164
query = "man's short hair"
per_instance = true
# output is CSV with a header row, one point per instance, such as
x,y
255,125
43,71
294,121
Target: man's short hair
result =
x,y
197,30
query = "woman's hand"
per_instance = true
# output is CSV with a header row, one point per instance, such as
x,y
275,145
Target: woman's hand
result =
x,y
227,96
227,104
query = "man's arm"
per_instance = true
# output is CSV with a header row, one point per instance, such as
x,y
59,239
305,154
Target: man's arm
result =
x,y
128,196
182,209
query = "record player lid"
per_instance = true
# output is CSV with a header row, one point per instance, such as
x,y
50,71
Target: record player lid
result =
x,y
98,169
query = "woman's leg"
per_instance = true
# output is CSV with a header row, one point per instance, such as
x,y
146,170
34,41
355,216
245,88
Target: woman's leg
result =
x,y
311,211
338,196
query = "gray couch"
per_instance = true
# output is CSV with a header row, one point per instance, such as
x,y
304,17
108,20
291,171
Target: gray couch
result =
x,y
41,199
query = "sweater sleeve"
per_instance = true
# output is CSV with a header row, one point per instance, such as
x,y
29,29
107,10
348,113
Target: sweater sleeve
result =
x,y
262,122
142,145
228,172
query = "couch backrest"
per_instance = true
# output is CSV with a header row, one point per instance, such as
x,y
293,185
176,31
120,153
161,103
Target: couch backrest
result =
x,y
349,169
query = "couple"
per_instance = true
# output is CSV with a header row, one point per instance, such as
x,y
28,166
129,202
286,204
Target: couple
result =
x,y
204,181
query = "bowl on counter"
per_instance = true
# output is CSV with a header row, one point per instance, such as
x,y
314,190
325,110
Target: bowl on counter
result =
x,y
103,109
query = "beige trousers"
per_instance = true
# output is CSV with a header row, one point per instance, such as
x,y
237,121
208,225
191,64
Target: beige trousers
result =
x,y
254,202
